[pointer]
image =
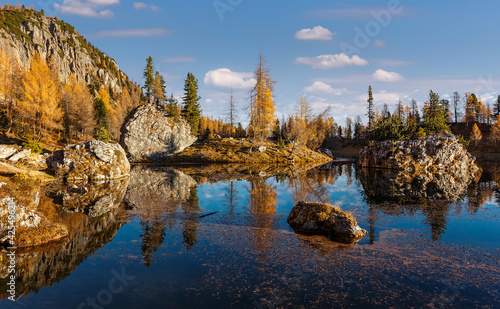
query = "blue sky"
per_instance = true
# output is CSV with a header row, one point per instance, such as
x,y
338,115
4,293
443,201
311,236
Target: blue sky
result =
x,y
330,51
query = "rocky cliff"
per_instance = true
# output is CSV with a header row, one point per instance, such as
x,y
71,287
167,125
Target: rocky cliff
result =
x,y
435,153
24,31
150,134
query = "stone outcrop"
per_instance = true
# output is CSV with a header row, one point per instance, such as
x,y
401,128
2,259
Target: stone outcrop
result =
x,y
325,219
90,161
150,135
435,153
29,31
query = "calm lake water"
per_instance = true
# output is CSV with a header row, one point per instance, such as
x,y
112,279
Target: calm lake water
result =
x,y
142,243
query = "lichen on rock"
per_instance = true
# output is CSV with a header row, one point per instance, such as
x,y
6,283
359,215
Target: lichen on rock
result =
x,y
325,219
150,134
435,153
90,161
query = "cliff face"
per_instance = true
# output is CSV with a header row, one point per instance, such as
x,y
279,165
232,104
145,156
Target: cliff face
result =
x,y
22,32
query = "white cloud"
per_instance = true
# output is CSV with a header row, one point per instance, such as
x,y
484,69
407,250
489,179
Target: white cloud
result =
x,y
379,43
321,87
387,77
317,33
87,8
229,79
180,59
139,32
145,6
324,62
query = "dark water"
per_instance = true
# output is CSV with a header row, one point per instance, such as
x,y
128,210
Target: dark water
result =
x,y
430,244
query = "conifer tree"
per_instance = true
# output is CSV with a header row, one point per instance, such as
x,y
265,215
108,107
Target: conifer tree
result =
x,y
495,131
149,79
262,103
371,112
191,111
159,89
41,99
475,135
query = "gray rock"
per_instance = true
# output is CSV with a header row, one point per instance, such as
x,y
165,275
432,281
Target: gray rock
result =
x,y
434,153
325,219
24,217
91,161
23,154
150,134
7,151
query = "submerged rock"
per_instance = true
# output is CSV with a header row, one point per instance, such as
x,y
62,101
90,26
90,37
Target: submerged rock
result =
x,y
325,219
150,134
91,161
435,153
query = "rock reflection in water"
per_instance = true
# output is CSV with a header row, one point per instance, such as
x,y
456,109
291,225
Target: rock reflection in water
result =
x,y
43,266
155,195
95,199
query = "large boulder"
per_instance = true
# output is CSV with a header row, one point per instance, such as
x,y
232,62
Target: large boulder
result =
x,y
435,153
90,161
150,135
325,219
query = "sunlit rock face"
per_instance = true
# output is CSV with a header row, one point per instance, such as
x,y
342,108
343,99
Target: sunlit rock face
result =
x,y
435,153
94,199
90,161
325,219
150,135
152,189
401,185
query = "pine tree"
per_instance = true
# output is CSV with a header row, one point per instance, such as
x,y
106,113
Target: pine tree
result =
x,y
475,135
400,109
371,112
159,89
102,119
78,109
191,111
149,79
262,104
436,115
173,107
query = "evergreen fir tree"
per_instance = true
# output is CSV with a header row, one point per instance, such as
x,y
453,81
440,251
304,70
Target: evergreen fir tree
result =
x,y
191,111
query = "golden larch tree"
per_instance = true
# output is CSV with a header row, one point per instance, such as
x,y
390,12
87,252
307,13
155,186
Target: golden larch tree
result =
x,y
41,99
475,135
78,109
495,131
262,103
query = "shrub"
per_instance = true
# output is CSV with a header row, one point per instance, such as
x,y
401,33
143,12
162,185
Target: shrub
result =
x,y
34,146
